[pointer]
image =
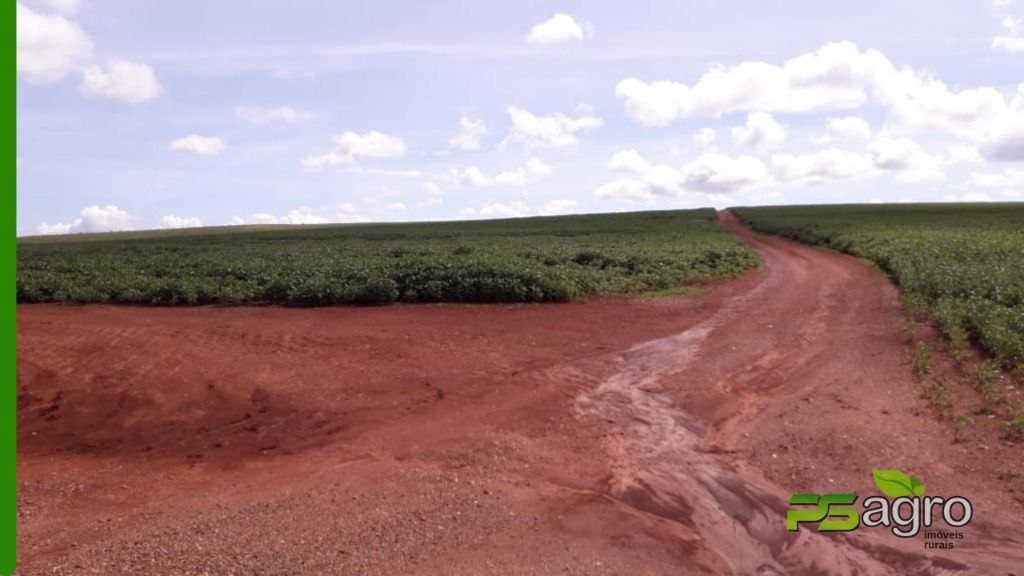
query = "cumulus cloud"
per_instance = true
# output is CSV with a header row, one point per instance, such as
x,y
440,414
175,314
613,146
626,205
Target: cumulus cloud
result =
x,y
761,133
49,47
300,215
471,176
964,153
833,77
1011,40
1006,179
196,144
97,218
559,28
350,147
704,138
825,165
557,206
967,197
1005,142
65,6
172,221
844,129
346,213
554,131
905,156
530,172
711,173
122,81
837,76
258,115
471,130
514,209
287,74
303,215
625,190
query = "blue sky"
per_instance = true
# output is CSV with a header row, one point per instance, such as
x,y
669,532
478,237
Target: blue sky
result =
x,y
159,114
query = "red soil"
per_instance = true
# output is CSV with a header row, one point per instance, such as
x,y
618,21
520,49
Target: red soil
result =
x,y
614,436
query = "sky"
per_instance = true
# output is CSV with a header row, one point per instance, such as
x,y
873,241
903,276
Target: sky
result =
x,y
145,114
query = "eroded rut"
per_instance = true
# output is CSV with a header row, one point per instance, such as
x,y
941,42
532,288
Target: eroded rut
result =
x,y
679,464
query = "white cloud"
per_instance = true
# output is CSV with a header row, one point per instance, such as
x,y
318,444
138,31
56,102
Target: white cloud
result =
x,y
837,76
404,173
1007,179
559,28
844,129
704,138
300,215
656,103
964,153
259,115
49,229
431,188
286,74
471,130
512,209
92,219
833,77
905,156
530,172
968,197
555,131
1005,142
629,161
258,218
1000,4
714,173
471,176
557,206
49,47
65,6
825,165
710,173
122,81
1012,41
346,213
196,144
351,146
172,221
626,190
761,133
395,207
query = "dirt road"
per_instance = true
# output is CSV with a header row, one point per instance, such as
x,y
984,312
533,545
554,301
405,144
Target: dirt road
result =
x,y
615,436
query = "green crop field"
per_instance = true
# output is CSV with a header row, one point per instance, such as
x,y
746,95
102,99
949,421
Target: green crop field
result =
x,y
963,263
518,260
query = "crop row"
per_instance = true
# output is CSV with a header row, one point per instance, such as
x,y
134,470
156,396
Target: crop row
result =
x,y
523,260
962,263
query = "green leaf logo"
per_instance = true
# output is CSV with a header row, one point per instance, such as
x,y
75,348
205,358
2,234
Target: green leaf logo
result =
x,y
896,484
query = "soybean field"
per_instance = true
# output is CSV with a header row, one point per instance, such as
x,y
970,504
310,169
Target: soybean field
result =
x,y
961,263
514,260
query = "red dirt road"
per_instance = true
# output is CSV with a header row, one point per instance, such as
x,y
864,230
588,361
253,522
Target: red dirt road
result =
x,y
615,436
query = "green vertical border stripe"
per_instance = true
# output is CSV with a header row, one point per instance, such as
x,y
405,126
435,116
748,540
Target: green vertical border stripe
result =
x,y
9,264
